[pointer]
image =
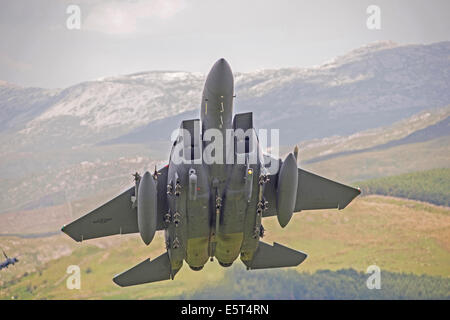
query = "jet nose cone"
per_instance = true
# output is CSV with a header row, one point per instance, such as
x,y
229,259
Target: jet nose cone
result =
x,y
220,79
221,64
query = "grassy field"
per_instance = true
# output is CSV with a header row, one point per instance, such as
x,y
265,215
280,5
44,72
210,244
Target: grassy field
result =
x,y
431,186
397,235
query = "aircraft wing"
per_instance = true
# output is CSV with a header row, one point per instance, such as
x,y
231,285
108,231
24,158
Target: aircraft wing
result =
x,y
114,217
313,192
316,192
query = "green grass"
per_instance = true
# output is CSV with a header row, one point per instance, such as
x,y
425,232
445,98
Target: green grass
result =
x,y
398,235
431,186
99,262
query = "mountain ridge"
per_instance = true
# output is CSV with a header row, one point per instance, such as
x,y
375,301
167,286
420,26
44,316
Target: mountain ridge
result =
x,y
111,122
348,91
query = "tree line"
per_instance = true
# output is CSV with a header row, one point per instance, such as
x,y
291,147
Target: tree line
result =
x,y
239,283
431,186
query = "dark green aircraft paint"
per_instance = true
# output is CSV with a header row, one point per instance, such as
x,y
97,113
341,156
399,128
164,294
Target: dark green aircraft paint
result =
x,y
212,208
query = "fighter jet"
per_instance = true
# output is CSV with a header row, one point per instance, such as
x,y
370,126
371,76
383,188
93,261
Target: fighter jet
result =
x,y
8,261
211,197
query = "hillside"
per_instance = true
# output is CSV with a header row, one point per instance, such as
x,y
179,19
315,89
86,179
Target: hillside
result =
x,y
423,127
400,236
377,117
431,186
344,284
369,87
20,105
372,164
63,176
59,146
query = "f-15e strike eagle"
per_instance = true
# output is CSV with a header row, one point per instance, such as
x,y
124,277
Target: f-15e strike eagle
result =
x,y
208,206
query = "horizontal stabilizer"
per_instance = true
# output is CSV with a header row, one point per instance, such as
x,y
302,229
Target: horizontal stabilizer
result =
x,y
146,271
276,256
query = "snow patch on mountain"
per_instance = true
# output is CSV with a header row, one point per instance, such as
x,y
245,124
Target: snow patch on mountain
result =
x,y
370,86
127,100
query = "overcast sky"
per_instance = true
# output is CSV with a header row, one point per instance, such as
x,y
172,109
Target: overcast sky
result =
x,y
122,37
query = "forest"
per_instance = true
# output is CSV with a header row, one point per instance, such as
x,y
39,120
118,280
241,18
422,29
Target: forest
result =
x,y
239,283
431,186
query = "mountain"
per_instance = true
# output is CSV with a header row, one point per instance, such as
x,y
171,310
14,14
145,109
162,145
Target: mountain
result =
x,y
373,86
425,126
91,111
377,111
20,105
369,87
66,144
420,142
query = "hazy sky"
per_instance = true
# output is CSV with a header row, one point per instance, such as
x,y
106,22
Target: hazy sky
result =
x,y
121,37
